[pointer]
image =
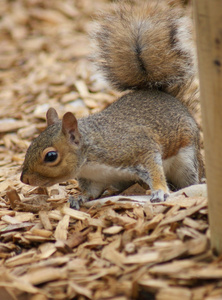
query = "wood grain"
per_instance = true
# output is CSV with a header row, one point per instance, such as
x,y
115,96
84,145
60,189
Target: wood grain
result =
x,y
208,20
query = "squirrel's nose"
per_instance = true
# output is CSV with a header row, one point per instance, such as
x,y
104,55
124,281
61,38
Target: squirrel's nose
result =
x,y
24,178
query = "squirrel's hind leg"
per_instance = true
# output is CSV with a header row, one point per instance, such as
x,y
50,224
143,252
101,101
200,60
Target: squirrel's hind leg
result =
x,y
151,172
182,169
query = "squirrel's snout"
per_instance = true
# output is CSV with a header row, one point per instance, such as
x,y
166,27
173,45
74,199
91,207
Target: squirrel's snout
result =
x,y
24,178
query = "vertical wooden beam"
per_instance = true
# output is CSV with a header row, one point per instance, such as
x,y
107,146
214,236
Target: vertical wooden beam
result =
x,y
208,21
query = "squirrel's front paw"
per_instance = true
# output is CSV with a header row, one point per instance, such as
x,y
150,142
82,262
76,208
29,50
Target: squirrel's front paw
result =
x,y
77,201
158,196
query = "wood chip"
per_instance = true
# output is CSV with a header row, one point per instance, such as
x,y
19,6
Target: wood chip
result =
x,y
75,214
44,275
142,258
113,230
13,197
61,231
45,220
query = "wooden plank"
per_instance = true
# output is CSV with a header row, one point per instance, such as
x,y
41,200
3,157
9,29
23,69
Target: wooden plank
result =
x,y
208,20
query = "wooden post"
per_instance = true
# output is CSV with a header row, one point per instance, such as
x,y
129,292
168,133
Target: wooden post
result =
x,y
208,21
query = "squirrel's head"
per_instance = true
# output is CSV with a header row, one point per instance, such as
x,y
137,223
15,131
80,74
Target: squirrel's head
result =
x,y
53,156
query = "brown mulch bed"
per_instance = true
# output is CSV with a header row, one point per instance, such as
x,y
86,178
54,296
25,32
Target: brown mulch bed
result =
x,y
124,249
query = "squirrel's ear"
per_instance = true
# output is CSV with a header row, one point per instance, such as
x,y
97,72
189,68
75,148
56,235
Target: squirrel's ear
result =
x,y
70,127
51,116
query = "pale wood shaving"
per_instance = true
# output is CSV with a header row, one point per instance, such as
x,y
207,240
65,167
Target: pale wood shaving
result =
x,y
61,229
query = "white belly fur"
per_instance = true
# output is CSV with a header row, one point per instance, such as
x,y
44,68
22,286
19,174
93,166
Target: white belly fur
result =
x,y
107,174
175,169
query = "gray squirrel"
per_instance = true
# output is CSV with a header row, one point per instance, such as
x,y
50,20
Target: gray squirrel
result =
x,y
148,135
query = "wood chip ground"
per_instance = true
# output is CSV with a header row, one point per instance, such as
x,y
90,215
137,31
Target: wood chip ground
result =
x,y
125,248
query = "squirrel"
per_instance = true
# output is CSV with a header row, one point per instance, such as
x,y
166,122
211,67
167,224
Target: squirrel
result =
x,y
148,135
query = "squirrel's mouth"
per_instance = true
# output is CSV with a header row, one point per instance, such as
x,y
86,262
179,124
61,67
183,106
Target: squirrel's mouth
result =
x,y
41,181
33,180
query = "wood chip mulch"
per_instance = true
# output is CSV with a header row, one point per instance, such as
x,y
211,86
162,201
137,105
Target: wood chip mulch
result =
x,y
124,248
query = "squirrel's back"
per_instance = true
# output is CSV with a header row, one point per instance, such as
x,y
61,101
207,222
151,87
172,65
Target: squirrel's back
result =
x,y
140,118
147,46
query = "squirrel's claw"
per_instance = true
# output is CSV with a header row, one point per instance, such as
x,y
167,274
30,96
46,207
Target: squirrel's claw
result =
x,y
76,202
158,196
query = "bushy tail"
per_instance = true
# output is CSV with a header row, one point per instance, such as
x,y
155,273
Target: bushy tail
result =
x,y
147,46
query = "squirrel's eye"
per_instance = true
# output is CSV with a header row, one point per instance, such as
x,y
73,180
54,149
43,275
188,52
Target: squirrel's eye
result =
x,y
51,156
